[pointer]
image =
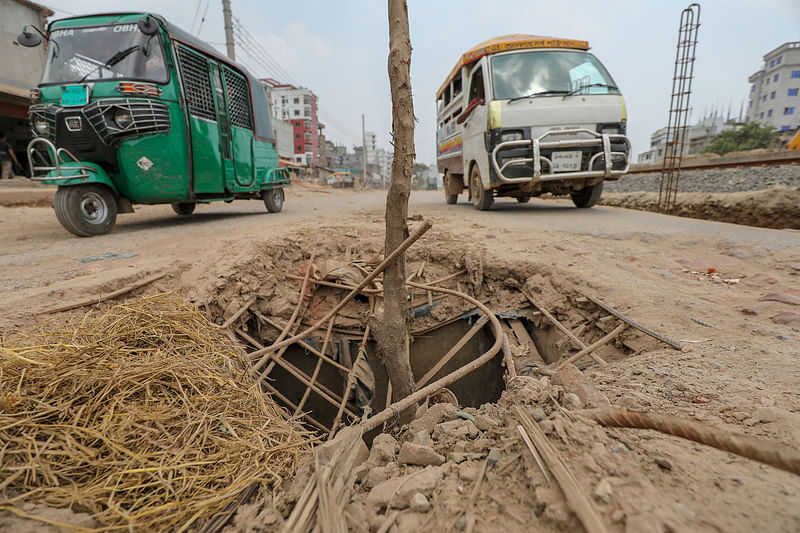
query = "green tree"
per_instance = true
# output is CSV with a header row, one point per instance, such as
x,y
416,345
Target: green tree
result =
x,y
750,136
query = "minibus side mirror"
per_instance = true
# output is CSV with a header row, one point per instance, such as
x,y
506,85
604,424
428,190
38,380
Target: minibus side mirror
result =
x,y
147,25
29,39
470,108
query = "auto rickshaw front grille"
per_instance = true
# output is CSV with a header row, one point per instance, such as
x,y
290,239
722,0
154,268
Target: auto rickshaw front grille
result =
x,y
238,98
147,117
196,84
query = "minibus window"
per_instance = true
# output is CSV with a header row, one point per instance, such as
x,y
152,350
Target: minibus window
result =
x,y
456,87
476,91
526,73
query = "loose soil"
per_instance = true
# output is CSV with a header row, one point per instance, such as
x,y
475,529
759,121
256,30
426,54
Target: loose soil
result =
x,y
772,208
740,373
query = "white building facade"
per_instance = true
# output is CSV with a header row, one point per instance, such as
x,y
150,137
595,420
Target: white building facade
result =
x,y
774,98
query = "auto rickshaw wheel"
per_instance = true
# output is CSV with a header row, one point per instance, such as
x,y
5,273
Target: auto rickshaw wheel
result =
x,y
184,208
273,200
523,199
588,196
86,210
481,198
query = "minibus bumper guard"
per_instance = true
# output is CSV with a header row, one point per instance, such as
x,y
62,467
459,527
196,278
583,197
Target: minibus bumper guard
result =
x,y
602,140
55,163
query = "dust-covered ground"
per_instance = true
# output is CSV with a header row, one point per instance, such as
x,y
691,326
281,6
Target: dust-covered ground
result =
x,y
728,293
771,208
764,196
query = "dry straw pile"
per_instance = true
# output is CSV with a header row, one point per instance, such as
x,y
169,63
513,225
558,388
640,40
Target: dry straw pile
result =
x,y
144,417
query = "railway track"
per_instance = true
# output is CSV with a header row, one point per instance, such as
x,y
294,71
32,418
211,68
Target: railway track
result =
x,y
766,159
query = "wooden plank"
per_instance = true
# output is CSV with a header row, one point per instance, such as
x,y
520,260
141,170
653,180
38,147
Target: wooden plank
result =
x,y
577,500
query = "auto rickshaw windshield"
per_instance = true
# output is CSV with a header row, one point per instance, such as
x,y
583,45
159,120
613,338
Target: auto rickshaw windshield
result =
x,y
96,53
551,73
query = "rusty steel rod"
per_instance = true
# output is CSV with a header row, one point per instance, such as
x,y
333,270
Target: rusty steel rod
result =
x,y
658,336
374,274
397,407
764,451
317,368
563,329
608,338
302,344
452,352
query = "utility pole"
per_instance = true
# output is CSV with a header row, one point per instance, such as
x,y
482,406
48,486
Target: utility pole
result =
x,y
226,13
363,150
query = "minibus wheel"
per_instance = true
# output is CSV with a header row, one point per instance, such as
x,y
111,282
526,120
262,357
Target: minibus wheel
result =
x,y
449,198
86,210
273,200
184,208
588,196
481,198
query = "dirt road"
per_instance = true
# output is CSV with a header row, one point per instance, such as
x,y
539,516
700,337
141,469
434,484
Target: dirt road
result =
x,y
690,279
42,264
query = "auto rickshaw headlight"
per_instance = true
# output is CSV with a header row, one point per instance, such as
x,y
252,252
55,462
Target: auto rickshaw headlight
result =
x,y
40,123
122,118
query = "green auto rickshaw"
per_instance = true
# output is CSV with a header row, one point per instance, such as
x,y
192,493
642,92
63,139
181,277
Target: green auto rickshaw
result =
x,y
133,110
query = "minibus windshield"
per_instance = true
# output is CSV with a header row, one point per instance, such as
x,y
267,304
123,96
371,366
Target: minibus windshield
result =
x,y
549,73
95,53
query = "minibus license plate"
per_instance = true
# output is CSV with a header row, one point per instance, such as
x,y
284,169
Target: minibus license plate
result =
x,y
566,161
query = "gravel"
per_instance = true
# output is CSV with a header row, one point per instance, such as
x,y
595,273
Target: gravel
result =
x,y
713,181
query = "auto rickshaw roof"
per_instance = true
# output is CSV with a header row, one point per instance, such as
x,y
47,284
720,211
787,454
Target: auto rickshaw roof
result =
x,y
505,43
261,115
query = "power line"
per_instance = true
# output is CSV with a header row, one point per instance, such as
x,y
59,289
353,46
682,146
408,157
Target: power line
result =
x,y
256,51
196,12
202,20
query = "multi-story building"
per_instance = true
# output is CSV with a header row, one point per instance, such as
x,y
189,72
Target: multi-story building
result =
x,y
698,137
298,106
775,89
21,69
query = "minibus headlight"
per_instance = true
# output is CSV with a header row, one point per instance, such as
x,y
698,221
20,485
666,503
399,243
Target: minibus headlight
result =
x,y
511,136
613,128
123,118
40,123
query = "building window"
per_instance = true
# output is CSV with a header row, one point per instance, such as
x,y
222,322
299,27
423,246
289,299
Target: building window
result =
x,y
750,104
769,112
297,112
791,92
775,77
772,95
764,98
767,81
796,74
752,88
778,61
788,111
772,63
298,149
296,100
296,135
761,115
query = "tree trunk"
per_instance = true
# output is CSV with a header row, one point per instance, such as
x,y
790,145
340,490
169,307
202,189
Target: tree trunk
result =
x,y
391,334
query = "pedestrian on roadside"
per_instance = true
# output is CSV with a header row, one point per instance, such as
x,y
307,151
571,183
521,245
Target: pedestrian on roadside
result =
x,y
7,157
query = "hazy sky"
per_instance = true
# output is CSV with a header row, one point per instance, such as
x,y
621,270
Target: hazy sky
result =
x,y
339,49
